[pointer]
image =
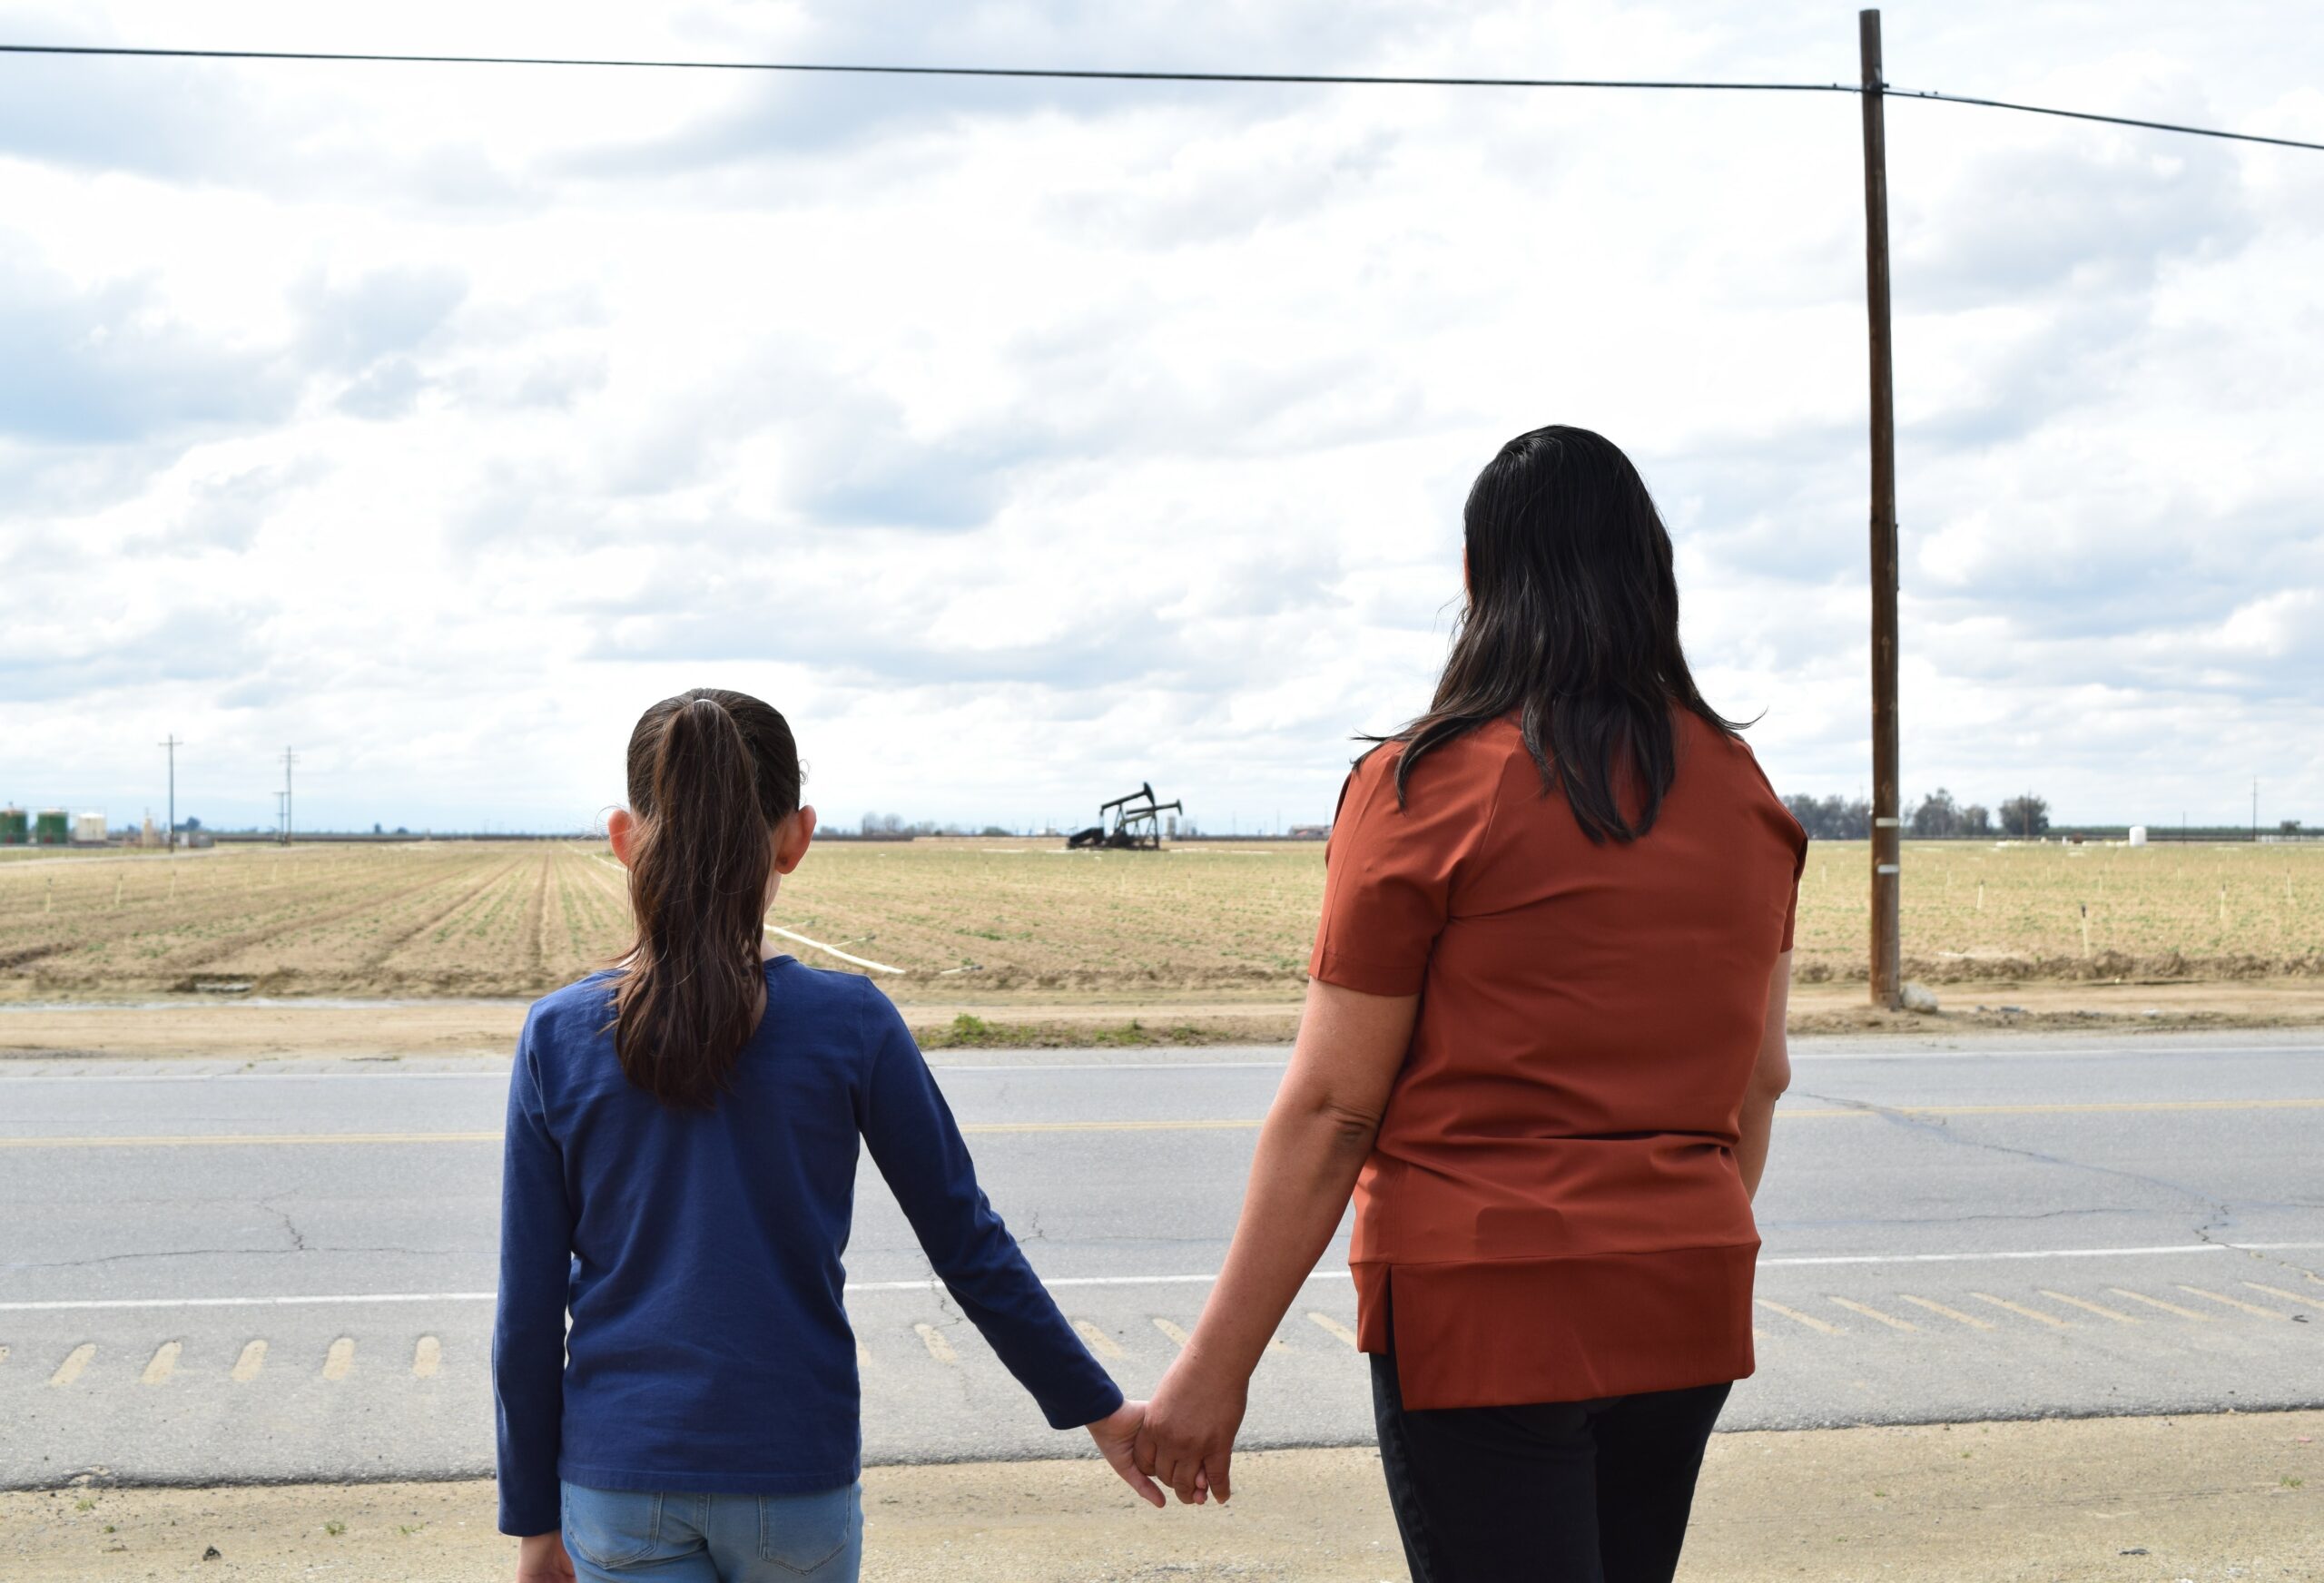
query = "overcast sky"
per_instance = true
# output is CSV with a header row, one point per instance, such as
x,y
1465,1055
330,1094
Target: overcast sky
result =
x,y
1023,442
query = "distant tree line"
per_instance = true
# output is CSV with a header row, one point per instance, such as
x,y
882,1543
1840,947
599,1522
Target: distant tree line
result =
x,y
877,824
1935,817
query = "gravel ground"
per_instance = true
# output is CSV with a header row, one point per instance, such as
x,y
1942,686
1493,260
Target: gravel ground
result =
x,y
2197,1499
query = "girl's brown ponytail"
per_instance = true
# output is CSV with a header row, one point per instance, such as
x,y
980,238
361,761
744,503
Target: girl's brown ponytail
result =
x,y
711,774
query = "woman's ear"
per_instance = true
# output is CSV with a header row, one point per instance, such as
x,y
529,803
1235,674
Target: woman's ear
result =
x,y
621,829
791,839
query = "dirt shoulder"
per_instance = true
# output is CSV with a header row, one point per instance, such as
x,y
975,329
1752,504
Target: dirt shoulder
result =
x,y
2230,1496
210,1029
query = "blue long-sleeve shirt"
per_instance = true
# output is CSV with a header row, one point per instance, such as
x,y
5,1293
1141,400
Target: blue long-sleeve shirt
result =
x,y
699,1254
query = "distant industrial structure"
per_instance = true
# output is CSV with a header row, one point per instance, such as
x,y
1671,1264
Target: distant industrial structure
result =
x,y
1130,822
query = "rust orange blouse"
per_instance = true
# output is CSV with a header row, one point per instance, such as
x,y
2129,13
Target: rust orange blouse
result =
x,y
1554,1201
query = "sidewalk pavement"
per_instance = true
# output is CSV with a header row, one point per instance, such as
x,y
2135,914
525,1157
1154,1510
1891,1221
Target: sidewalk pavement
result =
x,y
2232,1496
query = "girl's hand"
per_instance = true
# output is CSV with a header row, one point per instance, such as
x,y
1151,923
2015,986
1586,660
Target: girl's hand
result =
x,y
541,1558
1188,1438
1116,1438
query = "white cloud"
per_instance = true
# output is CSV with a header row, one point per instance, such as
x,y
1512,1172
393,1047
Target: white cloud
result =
x,y
1026,442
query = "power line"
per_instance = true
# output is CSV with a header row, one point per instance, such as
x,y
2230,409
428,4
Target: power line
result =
x,y
1058,73
2109,120
1053,72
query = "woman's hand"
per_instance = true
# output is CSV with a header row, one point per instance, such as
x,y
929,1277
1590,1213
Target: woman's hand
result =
x,y
1116,1438
541,1558
1188,1439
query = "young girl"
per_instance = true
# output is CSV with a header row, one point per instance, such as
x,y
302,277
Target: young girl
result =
x,y
680,1166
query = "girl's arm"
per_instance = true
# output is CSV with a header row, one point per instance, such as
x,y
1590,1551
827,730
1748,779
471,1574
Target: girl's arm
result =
x,y
918,1147
529,1331
1769,1077
1318,1132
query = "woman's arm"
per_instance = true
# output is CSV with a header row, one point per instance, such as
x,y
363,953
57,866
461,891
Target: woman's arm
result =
x,y
1318,1132
1769,1077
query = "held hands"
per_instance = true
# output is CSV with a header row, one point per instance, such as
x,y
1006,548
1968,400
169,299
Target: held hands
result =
x,y
1116,1438
1187,1441
541,1558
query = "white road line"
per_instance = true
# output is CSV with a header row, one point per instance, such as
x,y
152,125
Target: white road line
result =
x,y
1111,1066
2026,1253
497,1071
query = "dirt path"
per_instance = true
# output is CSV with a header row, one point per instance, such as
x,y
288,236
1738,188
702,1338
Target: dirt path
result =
x,y
212,1029
2129,1499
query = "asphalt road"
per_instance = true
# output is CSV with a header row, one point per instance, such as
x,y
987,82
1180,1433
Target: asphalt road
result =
x,y
284,1271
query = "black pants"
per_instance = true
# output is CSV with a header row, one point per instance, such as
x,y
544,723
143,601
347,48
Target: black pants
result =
x,y
1556,1492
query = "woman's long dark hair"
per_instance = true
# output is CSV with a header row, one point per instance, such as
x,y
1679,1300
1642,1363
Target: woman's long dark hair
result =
x,y
1571,625
711,774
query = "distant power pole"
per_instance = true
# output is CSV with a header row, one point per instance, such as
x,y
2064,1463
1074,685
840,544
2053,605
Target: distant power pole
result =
x,y
2255,813
174,745
288,758
1887,850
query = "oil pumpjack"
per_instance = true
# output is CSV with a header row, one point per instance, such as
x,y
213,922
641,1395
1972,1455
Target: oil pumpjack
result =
x,y
1131,823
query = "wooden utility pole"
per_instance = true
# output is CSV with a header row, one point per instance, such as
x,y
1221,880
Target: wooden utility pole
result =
x,y
174,745
1888,849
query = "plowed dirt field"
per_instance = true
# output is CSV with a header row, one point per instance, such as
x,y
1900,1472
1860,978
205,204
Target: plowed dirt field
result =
x,y
981,918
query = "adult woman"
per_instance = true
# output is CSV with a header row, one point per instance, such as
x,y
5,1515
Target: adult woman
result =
x,y
1543,1042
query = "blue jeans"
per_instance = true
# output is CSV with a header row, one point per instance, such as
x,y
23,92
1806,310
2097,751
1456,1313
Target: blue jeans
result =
x,y
678,1537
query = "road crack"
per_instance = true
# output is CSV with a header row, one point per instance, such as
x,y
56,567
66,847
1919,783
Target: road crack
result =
x,y
2218,1214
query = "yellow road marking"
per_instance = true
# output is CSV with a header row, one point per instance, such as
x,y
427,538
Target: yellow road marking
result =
x,y
1759,1335
2232,1301
74,1361
162,1364
1179,1338
1870,1312
2159,1302
2051,1320
1968,1319
1334,1328
340,1359
252,1359
187,1140
1793,1314
863,1356
937,1347
2270,1290
2093,1307
250,1140
1222,1125
1104,1345
3,1354
427,1358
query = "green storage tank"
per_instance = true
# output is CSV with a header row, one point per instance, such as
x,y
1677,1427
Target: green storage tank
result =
x,y
14,830
52,829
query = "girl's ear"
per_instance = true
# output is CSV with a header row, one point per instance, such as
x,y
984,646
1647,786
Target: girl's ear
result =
x,y
621,829
791,839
